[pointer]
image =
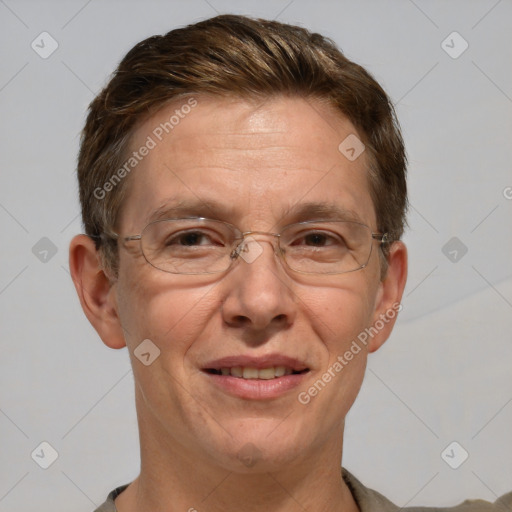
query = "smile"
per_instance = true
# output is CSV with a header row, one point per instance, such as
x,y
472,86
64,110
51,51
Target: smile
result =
x,y
256,378
248,372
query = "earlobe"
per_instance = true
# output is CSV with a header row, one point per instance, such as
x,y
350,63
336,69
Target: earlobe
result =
x,y
389,296
95,291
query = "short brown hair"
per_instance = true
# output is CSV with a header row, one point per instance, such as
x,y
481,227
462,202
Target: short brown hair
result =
x,y
234,56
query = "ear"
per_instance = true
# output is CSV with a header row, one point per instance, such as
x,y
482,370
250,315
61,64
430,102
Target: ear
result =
x,y
389,296
97,293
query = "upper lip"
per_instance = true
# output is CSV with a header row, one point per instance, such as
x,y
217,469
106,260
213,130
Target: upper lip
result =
x,y
260,362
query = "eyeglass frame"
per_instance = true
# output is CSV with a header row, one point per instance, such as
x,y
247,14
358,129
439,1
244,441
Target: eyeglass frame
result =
x,y
382,238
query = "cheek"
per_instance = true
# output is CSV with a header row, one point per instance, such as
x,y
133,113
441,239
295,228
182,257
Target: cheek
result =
x,y
165,309
338,317
339,314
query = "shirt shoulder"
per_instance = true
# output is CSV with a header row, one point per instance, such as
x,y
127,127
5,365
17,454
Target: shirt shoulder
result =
x,y
369,500
109,505
503,504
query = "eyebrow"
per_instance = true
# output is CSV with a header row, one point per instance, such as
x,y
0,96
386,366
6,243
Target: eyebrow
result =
x,y
174,208
301,212
321,210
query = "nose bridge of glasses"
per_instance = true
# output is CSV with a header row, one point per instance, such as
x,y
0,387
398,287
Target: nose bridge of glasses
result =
x,y
260,236
250,248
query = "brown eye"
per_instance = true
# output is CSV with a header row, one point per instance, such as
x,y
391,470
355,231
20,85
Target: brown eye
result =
x,y
192,238
188,239
317,239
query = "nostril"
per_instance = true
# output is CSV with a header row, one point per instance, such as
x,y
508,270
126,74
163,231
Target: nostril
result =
x,y
240,320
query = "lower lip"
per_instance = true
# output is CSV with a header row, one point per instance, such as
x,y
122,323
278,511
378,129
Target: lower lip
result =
x,y
256,389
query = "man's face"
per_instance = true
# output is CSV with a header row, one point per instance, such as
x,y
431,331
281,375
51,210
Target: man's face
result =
x,y
255,166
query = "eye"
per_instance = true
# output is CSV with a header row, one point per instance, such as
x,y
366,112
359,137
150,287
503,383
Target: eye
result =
x,y
318,239
192,238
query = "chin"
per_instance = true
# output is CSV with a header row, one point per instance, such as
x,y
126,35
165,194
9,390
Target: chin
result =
x,y
260,450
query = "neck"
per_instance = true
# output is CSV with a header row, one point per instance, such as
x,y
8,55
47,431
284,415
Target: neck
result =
x,y
173,479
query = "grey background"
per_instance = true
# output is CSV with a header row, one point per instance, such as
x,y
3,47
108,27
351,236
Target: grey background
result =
x,y
445,374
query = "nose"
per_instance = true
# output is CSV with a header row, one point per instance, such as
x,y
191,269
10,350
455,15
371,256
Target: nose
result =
x,y
259,293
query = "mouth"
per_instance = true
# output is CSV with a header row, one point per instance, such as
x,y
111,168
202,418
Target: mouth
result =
x,y
256,378
251,372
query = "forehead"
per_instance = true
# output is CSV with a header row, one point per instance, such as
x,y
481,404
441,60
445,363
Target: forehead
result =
x,y
246,161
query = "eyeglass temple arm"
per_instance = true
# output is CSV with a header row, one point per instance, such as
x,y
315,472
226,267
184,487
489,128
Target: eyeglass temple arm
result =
x,y
382,237
115,236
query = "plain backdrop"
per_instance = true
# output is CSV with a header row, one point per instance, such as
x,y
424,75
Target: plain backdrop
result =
x,y
445,374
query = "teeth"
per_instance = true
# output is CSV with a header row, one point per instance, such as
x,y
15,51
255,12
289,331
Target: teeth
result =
x,y
248,372
236,371
265,373
251,373
280,371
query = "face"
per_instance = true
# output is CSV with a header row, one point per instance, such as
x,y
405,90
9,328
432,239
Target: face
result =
x,y
259,166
